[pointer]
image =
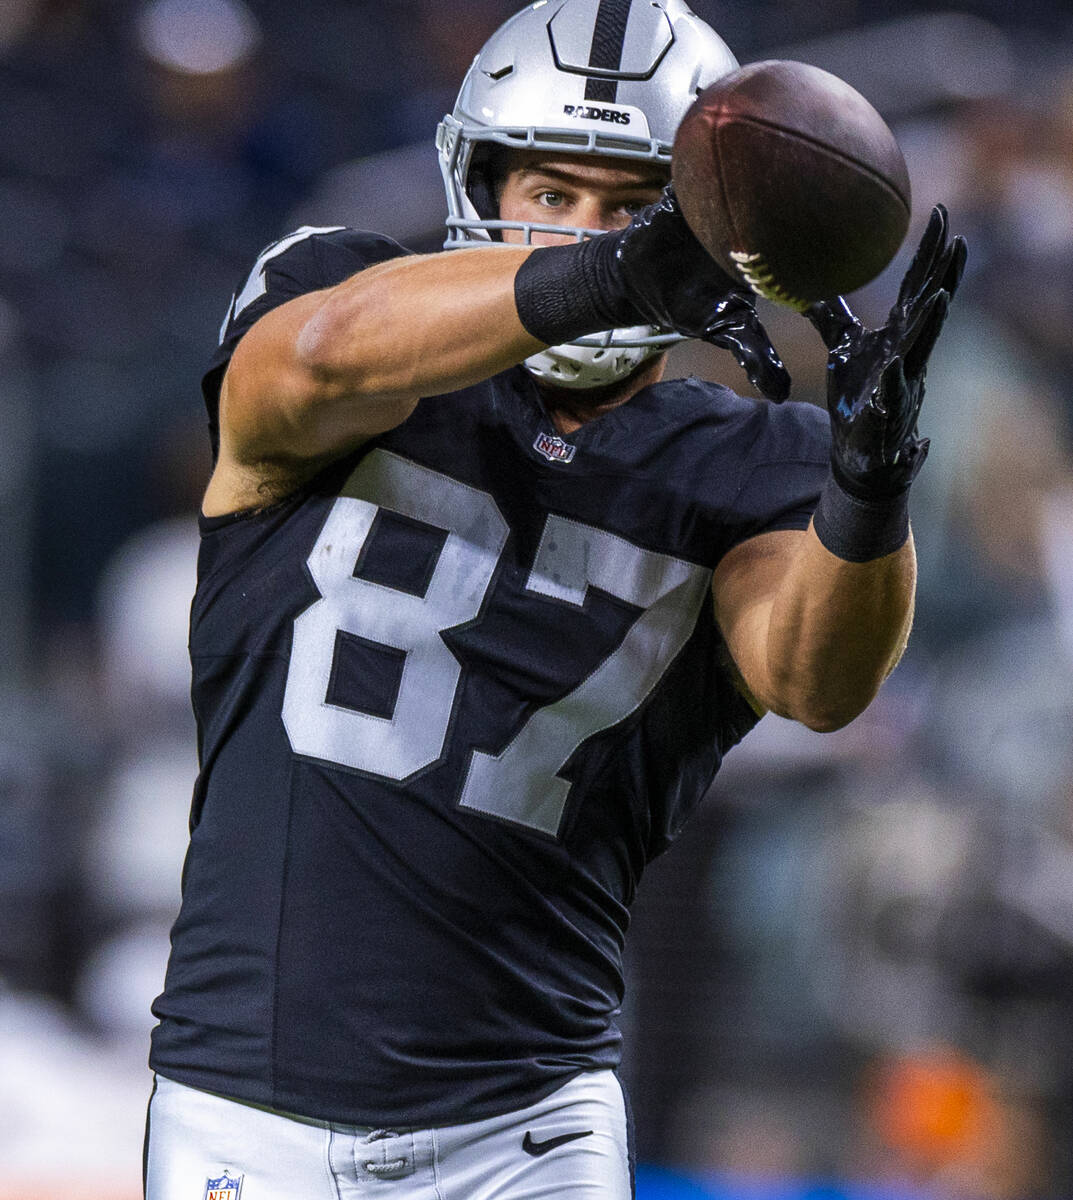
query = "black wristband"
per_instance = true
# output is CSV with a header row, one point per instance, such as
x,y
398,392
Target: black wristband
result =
x,y
564,292
860,530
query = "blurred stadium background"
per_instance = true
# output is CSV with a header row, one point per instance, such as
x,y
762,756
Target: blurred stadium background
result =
x,y
852,976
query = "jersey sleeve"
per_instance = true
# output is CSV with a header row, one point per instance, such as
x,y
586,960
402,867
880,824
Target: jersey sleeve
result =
x,y
304,261
784,471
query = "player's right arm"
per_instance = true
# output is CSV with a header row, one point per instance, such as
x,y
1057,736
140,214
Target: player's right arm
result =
x,y
316,376
320,374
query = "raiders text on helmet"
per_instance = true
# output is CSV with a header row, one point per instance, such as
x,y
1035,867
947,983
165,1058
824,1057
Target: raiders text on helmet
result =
x,y
610,78
586,112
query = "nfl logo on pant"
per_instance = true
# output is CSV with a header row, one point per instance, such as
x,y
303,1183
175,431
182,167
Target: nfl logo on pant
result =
x,y
227,1187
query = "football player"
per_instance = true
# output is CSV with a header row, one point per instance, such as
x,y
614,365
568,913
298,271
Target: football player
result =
x,y
482,602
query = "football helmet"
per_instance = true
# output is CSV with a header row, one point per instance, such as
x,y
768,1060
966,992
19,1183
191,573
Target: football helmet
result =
x,y
610,78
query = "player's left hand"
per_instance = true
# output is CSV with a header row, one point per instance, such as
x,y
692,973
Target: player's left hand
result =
x,y
875,377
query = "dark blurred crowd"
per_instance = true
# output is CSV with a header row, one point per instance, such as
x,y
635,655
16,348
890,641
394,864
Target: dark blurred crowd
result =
x,y
857,964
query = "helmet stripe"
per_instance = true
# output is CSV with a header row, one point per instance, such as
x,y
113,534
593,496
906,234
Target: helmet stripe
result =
x,y
608,38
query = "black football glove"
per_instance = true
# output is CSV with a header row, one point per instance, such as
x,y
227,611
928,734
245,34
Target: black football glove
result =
x,y
875,377
652,272
668,279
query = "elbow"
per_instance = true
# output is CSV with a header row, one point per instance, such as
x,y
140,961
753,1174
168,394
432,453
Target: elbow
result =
x,y
325,351
829,710
829,720
344,360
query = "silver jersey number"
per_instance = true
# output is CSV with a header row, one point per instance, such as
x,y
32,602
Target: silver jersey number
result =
x,y
521,784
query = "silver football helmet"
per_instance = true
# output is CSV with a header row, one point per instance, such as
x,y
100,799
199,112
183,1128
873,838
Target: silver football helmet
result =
x,y
611,78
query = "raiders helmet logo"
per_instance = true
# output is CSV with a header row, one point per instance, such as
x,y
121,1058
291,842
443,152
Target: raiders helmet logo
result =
x,y
589,112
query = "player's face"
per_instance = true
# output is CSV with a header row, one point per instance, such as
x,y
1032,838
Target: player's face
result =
x,y
574,190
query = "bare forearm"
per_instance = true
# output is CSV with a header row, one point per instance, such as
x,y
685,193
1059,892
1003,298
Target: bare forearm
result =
x,y
813,635
334,367
836,630
419,326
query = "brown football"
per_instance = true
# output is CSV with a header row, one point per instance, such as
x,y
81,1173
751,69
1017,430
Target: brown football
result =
x,y
792,181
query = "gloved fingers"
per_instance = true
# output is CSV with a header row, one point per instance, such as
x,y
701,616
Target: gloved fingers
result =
x,y
920,338
928,253
658,209
902,403
761,364
945,274
739,330
955,266
667,222
767,374
831,319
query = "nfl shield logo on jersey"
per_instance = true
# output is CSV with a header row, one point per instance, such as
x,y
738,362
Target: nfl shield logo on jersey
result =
x,y
227,1187
554,449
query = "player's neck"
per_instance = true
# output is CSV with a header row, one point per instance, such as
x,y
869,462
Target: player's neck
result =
x,y
570,408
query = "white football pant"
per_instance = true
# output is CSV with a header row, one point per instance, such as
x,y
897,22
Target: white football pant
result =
x,y
573,1143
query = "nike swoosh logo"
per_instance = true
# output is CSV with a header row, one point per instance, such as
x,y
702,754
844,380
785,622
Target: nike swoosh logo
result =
x,y
536,1149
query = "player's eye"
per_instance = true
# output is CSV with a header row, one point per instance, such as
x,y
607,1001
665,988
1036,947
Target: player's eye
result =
x,y
550,199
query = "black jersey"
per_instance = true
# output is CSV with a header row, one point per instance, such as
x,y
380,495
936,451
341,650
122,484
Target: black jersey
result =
x,y
452,696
